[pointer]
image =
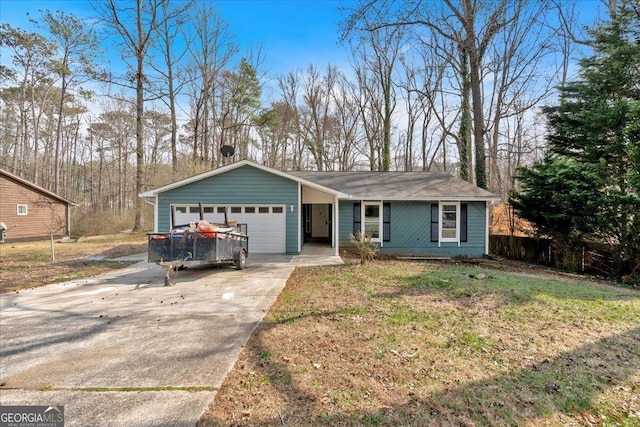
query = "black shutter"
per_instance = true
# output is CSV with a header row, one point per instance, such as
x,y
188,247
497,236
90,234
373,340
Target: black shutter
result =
x,y
386,222
356,218
463,222
434,222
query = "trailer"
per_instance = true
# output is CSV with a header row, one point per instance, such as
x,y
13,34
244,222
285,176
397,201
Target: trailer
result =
x,y
191,245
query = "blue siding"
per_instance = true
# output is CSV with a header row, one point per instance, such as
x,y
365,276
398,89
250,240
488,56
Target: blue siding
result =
x,y
244,185
410,230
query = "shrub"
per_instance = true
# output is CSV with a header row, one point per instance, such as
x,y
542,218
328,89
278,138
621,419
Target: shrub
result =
x,y
365,247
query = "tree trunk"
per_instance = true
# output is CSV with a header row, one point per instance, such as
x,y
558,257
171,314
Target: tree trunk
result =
x,y
464,139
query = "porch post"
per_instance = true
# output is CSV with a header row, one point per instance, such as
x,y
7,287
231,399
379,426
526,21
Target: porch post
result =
x,y
486,228
336,226
300,227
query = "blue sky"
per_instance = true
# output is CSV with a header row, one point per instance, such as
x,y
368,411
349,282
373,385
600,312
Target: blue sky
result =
x,y
293,33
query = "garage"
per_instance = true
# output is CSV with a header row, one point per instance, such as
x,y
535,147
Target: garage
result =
x,y
266,224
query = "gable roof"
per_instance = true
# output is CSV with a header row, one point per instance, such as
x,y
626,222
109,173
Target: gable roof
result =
x,y
36,187
236,165
399,185
363,185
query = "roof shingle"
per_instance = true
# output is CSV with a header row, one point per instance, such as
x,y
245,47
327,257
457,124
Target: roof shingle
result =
x,y
398,185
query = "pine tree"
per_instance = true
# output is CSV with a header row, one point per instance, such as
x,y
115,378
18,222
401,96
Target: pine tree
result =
x,y
588,186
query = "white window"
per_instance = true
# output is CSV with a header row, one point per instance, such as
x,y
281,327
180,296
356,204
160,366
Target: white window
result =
x,y
449,222
372,224
22,210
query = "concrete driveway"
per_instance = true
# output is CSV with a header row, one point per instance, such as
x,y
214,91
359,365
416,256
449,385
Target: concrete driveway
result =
x,y
124,350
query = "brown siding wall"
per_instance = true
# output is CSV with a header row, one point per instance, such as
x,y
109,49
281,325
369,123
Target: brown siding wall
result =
x,y
44,213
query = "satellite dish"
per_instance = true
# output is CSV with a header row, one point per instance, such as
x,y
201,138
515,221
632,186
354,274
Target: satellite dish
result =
x,y
227,150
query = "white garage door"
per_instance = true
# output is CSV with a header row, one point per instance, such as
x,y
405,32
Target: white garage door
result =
x,y
265,223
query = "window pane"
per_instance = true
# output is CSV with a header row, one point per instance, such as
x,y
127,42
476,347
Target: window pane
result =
x,y
181,209
263,209
449,234
277,209
449,221
221,209
250,209
372,221
208,209
236,209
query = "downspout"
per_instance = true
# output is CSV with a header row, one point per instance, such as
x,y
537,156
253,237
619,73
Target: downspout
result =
x,y
300,223
155,213
336,226
68,219
486,228
458,222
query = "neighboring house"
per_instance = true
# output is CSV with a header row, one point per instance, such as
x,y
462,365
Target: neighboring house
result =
x,y
30,212
416,213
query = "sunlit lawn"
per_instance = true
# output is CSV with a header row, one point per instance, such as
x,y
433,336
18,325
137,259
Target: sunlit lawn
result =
x,y
400,343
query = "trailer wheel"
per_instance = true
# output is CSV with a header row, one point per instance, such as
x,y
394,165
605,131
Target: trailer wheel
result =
x,y
241,260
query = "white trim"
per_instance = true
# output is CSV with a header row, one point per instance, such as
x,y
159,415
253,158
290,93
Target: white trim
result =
x,y
440,214
299,228
486,229
236,165
284,226
19,211
336,226
363,221
155,215
423,199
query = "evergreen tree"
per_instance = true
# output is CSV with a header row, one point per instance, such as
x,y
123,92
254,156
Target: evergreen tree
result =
x,y
588,186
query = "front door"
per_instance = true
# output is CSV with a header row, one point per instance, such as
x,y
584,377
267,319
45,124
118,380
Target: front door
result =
x,y
320,222
317,222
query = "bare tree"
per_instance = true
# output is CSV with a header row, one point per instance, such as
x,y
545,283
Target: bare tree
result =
x,y
515,59
76,47
349,138
472,29
376,53
136,24
211,49
315,113
289,86
173,79
238,104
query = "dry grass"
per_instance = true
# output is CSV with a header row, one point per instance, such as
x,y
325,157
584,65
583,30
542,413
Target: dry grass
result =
x,y
397,343
29,264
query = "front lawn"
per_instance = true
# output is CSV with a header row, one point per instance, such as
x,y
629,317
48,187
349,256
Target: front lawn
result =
x,y
25,265
412,343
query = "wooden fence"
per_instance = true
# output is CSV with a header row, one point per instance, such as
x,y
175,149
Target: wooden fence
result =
x,y
586,259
